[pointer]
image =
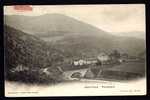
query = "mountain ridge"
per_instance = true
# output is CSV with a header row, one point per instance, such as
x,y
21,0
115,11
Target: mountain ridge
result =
x,y
70,33
56,25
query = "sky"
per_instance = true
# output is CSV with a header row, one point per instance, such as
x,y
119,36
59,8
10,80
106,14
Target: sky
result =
x,y
111,18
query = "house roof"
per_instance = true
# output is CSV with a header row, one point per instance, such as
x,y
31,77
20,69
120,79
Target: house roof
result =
x,y
102,53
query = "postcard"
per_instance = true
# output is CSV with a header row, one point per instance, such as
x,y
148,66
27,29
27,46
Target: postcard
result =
x,y
75,50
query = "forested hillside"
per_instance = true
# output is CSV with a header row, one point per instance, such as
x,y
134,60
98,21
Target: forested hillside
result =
x,y
31,53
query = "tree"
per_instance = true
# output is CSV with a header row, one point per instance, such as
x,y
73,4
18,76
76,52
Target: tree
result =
x,y
115,54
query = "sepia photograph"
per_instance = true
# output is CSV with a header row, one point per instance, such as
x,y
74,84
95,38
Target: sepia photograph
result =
x,y
75,50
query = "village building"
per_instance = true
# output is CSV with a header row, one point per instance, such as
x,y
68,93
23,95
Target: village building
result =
x,y
79,62
123,57
91,61
84,62
103,58
19,68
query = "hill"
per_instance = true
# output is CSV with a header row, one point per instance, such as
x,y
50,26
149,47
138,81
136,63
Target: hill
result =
x,y
50,24
32,54
136,34
78,37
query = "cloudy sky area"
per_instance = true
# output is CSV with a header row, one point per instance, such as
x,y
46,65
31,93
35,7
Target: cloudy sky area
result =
x,y
111,18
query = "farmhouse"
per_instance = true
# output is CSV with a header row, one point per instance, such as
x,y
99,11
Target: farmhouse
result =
x,y
103,58
79,62
85,62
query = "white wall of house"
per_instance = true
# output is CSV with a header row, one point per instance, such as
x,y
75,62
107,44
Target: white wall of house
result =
x,y
103,57
84,62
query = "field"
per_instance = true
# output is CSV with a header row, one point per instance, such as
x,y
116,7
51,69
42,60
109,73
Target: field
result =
x,y
134,67
128,70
